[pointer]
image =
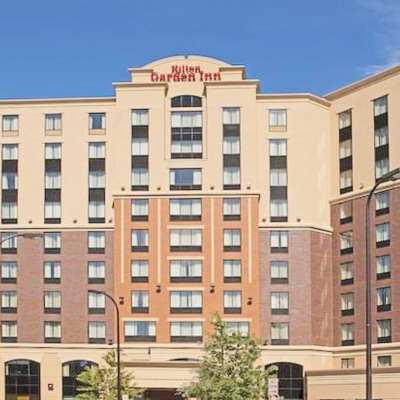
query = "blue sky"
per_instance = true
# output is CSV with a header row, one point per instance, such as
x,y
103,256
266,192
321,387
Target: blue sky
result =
x,y
57,48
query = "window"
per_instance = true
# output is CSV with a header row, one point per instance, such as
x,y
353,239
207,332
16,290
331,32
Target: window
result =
x,y
278,147
96,242
186,331
346,212
140,240
140,146
380,106
139,271
52,180
385,331
382,203
279,333
9,331
231,208
9,212
381,136
97,179
97,121
231,115
347,273
10,123
97,332
140,209
279,241
231,177
186,134
52,302
10,152
52,242
97,150
345,149
346,242
279,303
383,266
53,122
231,145
279,209
185,179
140,178
384,361
383,235
52,151
232,271
189,148
52,332
232,240
278,177
232,302
186,239
140,301
52,212
347,304
348,363
186,270
8,272
186,101
52,272
97,303
384,299
140,331
9,300
347,334
186,302
277,118
345,119
346,181
239,328
279,272
9,242
140,117
185,209
97,211
96,271
9,181
381,167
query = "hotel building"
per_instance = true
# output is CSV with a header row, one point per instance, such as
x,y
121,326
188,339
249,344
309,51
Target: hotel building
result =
x,y
190,192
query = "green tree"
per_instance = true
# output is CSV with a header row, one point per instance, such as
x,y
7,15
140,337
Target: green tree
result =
x,y
228,369
101,383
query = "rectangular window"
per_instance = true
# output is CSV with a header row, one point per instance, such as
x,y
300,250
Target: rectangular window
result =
x,y
232,240
347,273
345,149
382,203
186,331
96,272
52,242
279,303
278,148
185,209
347,334
385,331
239,328
97,211
52,332
9,332
346,242
10,123
231,207
384,299
140,331
383,235
186,139
185,179
10,152
140,117
279,333
186,239
381,167
232,302
96,303
383,266
97,150
140,210
380,106
52,302
278,177
52,272
8,272
279,241
52,212
9,242
347,304
186,270
140,178
346,212
9,212
9,181
348,363
279,209
231,145
231,177
140,301
346,181
52,151
186,302
97,179
345,119
97,121
381,136
52,180
53,122
384,361
231,115
9,300
96,242
277,118
232,271
279,272
139,271
140,146
97,332
140,240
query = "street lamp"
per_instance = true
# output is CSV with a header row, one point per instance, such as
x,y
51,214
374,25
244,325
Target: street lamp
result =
x,y
119,394
390,176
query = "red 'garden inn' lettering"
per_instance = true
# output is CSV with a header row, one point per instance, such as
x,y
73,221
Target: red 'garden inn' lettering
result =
x,y
185,73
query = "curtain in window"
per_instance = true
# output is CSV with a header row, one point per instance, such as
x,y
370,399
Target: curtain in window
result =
x,y
348,332
232,268
384,296
140,268
140,298
279,300
346,240
383,264
186,299
140,328
278,177
186,120
10,152
9,329
52,299
347,301
344,119
232,299
52,329
97,300
96,240
231,206
185,268
97,150
97,209
97,330
280,331
345,149
10,243
279,239
385,328
380,106
277,118
382,232
347,270
52,240
10,122
10,180
279,208
232,237
382,200
96,269
140,177
346,179
9,299
140,237
231,116
277,147
279,269
231,176
140,146
53,122
52,210
231,145
381,167
52,269
97,121
140,117
8,269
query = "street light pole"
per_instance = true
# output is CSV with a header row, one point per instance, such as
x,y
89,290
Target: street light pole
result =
x,y
390,176
119,386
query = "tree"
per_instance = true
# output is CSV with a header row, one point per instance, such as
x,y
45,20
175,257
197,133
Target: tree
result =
x,y
101,383
228,369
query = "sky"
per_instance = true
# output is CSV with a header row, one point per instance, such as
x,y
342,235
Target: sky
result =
x,y
71,48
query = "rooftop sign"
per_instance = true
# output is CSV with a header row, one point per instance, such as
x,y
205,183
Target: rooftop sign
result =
x,y
185,73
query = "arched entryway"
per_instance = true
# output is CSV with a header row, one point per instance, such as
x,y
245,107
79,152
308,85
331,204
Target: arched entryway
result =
x,y
70,371
22,380
291,380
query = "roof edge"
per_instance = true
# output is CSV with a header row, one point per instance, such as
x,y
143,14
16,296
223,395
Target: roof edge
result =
x,y
60,100
284,96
